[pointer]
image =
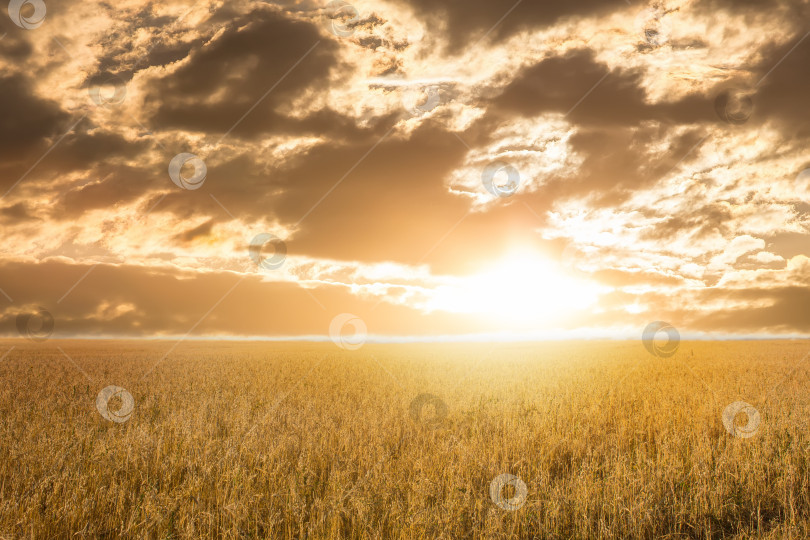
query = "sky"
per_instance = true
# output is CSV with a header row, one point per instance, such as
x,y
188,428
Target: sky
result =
x,y
411,168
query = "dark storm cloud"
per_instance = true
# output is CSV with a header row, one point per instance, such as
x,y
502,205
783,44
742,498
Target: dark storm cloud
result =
x,y
27,120
100,155
108,185
779,75
556,84
784,77
117,66
38,139
16,213
240,66
14,47
617,162
468,20
85,147
78,149
196,232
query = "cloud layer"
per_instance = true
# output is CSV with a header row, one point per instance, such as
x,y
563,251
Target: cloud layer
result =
x,y
657,153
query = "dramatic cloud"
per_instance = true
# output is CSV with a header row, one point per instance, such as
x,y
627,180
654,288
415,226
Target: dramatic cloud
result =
x,y
543,169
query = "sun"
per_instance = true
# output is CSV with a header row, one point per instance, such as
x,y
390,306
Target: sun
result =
x,y
523,288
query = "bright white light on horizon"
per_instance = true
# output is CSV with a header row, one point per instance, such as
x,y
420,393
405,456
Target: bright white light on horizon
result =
x,y
521,288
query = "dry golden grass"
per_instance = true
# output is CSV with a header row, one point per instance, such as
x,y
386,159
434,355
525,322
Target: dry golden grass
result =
x,y
307,440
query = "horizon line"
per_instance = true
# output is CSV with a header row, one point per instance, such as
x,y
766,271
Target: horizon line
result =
x,y
443,338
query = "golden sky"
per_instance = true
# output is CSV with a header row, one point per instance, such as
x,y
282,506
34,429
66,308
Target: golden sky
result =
x,y
433,167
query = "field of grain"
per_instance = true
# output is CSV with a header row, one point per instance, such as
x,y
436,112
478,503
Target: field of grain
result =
x,y
280,440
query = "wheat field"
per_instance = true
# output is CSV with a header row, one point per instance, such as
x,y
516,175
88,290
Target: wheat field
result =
x,y
306,440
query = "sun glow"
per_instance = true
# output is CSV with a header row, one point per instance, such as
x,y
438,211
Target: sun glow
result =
x,y
521,288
